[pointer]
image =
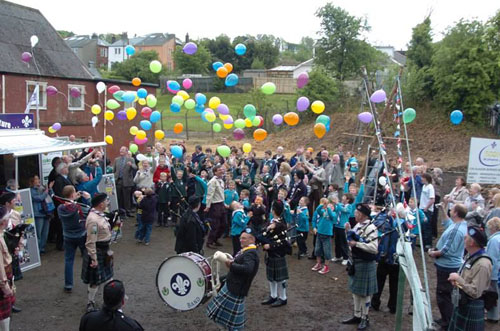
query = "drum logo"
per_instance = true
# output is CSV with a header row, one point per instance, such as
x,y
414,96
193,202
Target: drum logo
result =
x,y
180,284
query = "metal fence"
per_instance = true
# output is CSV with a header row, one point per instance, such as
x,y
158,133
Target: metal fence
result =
x,y
211,84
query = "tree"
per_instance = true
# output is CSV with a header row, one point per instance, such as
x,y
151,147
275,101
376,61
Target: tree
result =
x,y
197,63
109,37
321,86
244,62
258,64
65,34
138,66
221,49
267,51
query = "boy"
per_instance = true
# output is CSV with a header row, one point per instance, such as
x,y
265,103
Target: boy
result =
x,y
148,208
239,223
344,210
245,199
302,220
244,181
163,193
177,194
413,217
230,196
323,228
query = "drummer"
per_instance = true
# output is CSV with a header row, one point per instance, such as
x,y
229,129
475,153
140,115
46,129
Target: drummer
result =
x,y
228,307
97,265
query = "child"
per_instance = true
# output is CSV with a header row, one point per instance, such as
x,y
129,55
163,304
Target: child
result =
x,y
323,227
148,206
333,192
177,193
245,200
258,211
230,195
244,181
352,166
163,193
413,215
239,222
302,220
353,190
344,211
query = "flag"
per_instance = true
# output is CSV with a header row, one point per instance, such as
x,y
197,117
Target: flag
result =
x,y
34,99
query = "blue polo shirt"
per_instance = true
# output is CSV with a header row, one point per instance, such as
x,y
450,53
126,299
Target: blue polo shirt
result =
x,y
493,250
451,244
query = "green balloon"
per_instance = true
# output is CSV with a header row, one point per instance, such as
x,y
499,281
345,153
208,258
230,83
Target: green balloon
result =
x,y
155,66
256,121
217,127
323,119
112,104
151,101
224,150
178,100
239,123
133,148
249,111
189,104
268,88
118,95
409,115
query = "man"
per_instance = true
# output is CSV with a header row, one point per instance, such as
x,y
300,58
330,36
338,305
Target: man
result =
x,y
363,283
228,307
279,157
215,207
337,172
87,185
74,167
448,255
72,138
297,157
243,182
427,199
472,279
191,230
198,155
111,316
123,169
53,173
60,182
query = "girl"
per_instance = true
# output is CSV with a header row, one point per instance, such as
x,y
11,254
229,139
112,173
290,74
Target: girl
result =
x,y
323,228
302,218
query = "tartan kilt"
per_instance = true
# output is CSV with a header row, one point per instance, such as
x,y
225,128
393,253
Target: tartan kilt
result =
x,y
276,269
227,309
469,317
364,280
103,272
6,303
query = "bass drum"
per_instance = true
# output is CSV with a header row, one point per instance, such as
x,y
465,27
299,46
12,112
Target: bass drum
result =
x,y
184,281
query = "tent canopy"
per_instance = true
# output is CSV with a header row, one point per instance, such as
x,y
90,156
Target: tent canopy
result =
x,y
33,142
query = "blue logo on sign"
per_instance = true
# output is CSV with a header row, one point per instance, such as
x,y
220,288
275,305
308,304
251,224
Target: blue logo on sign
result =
x,y
180,284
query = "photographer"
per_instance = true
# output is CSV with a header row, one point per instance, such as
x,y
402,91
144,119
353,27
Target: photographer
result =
x,y
87,185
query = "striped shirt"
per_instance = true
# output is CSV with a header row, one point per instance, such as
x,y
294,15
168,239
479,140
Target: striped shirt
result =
x,y
451,245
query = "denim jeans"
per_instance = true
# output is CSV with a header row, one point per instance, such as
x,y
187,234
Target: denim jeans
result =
x,y
144,231
42,232
70,246
323,246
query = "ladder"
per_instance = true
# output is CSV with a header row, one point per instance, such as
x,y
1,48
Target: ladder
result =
x,y
372,172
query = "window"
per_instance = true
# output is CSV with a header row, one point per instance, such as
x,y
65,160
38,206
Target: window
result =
x,y
104,52
76,103
75,50
42,94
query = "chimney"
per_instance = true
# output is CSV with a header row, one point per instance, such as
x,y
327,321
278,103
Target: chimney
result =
x,y
125,37
187,38
94,36
113,39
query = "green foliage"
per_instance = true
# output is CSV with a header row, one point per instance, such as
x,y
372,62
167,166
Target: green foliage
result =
x,y
300,53
321,86
258,64
109,37
267,52
65,34
198,63
244,62
220,49
138,66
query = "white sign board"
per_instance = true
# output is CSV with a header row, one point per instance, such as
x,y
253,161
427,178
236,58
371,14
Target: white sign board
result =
x,y
107,185
46,165
484,161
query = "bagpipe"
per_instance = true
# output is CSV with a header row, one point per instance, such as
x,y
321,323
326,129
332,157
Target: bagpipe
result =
x,y
83,208
13,236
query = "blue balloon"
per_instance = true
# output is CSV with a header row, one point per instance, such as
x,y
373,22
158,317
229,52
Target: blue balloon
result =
x,y
456,117
199,108
217,65
176,151
142,93
231,80
174,85
128,96
203,118
155,116
240,49
175,108
145,124
130,50
200,98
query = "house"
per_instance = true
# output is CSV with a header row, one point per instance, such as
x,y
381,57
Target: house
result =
x,y
91,50
398,57
291,71
117,53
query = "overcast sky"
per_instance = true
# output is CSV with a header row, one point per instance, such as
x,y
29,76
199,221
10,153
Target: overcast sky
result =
x,y
391,20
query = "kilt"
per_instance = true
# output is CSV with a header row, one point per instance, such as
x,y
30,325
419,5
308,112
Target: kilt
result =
x,y
227,310
6,303
276,269
364,280
104,270
469,317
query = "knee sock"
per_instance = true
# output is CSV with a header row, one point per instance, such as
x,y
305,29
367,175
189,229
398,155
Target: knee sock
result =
x,y
91,293
282,290
357,304
273,288
5,324
366,301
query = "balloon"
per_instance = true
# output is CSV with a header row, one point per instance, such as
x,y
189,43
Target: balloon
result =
x,y
217,127
189,104
240,49
214,102
141,134
142,101
228,125
176,151
130,50
75,92
128,96
146,112
302,103
112,104
173,85
378,96
95,120
183,94
247,148
409,115
268,88
249,111
175,108
100,87
178,100
291,118
200,98
51,130
365,117
141,157
222,72
256,121
131,113
238,134
323,119
239,123
33,40
187,83
231,80
95,109
51,90
151,101
121,115
145,124
248,122
190,48
113,89
319,130
223,117
318,107
109,115
133,130
140,141
26,57
178,127
159,134
217,65
224,150
155,66
133,148
302,80
229,120
259,134
223,109
155,116
382,181
277,119
210,117
142,93
118,95
228,66
136,81
456,117
108,139
56,126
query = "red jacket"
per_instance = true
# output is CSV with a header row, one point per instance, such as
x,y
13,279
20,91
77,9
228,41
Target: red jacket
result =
x,y
158,171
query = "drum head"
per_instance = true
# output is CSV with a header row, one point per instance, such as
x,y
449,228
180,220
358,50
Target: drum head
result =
x,y
181,283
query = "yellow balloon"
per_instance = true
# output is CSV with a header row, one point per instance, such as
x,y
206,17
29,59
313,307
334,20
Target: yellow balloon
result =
x,y
214,102
133,130
142,101
131,113
210,117
248,122
247,148
183,94
109,115
228,126
141,134
223,117
51,130
318,107
159,134
96,109
109,140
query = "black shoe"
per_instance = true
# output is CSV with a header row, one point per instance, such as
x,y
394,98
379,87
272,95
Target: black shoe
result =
x,y
16,309
352,320
269,301
278,303
491,321
363,325
68,290
375,307
439,322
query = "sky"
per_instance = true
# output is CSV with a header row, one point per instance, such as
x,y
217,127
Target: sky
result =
x,y
391,21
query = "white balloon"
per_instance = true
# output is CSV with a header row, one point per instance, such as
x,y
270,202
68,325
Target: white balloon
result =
x,y
382,181
95,120
100,87
141,157
34,41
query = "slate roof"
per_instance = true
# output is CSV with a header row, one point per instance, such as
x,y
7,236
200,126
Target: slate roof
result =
x,y
53,56
78,41
154,39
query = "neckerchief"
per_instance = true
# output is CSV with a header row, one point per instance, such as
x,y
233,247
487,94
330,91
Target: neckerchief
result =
x,y
251,246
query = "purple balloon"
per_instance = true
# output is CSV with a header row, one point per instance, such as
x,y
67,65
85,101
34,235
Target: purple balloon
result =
x,y
121,115
75,92
56,126
302,103
229,120
238,134
26,57
378,96
365,117
277,119
302,80
223,109
51,90
190,48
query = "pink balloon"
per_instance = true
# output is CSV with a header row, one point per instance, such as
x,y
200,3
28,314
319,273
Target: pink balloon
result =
x,y
146,112
365,117
238,134
378,96
261,121
51,90
140,141
302,80
113,89
26,57
223,109
302,103
187,83
75,92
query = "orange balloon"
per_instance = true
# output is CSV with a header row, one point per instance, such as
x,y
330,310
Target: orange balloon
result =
x,y
178,127
136,81
259,134
228,66
319,130
291,118
222,72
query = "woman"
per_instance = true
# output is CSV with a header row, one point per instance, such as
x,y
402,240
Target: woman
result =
x,y
490,203
474,197
318,178
493,251
495,209
458,194
437,182
284,171
7,295
298,190
144,177
40,211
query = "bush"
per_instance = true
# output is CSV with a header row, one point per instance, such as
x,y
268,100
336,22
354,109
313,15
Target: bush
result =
x,y
322,87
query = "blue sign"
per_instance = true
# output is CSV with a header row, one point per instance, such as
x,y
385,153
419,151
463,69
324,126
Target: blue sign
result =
x,y
17,121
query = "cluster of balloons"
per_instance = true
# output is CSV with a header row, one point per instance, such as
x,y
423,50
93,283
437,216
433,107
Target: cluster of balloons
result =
x,y
322,126
55,127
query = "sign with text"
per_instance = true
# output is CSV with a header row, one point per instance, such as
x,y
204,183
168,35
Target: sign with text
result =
x,y
17,121
484,161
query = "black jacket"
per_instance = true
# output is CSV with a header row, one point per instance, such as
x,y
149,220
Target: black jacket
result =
x,y
298,191
190,233
148,207
277,249
59,184
108,320
242,272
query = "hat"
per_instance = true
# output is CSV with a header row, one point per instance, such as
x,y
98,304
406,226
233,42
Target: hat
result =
x,y
113,293
278,207
251,231
477,234
193,201
99,198
364,209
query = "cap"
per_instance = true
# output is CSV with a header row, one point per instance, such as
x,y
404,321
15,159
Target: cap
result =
x,y
364,209
193,201
478,235
98,198
251,231
113,293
